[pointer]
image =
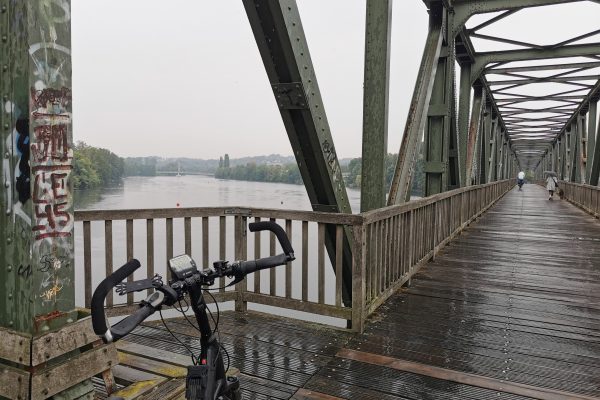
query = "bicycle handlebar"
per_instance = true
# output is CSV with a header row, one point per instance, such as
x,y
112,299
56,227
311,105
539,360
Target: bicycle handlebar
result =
x,y
98,317
277,230
240,269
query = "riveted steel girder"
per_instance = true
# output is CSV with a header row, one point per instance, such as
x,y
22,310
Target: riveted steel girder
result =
x,y
280,37
375,104
465,9
485,58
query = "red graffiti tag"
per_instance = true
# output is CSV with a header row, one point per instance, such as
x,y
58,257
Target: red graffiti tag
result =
x,y
50,191
51,143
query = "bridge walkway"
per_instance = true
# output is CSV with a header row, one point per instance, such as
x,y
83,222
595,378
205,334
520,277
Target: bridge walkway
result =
x,y
509,310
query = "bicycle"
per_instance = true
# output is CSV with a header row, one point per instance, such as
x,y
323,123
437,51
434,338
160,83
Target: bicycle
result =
x,y
206,377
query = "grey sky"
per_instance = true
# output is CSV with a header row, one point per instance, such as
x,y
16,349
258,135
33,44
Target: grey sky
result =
x,y
185,78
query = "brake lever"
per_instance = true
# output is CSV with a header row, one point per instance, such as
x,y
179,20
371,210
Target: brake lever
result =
x,y
137,286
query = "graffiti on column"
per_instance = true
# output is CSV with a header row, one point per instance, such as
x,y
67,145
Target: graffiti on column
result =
x,y
51,151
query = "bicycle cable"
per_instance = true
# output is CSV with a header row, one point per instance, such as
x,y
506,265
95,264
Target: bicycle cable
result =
x,y
216,329
194,358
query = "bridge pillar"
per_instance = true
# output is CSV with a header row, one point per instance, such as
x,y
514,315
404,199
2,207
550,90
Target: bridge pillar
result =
x,y
594,144
581,148
44,338
375,104
440,141
591,140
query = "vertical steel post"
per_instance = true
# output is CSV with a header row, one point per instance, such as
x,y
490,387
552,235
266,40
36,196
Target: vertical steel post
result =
x,y
464,104
439,140
37,267
595,169
573,160
582,148
375,104
591,140
485,142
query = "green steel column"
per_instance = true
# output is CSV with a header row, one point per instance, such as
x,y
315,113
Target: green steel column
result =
x,y
591,140
595,170
574,148
37,268
375,104
568,147
493,150
582,149
564,154
440,117
485,142
464,105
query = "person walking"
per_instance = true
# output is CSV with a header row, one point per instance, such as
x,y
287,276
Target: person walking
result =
x,y
520,179
551,185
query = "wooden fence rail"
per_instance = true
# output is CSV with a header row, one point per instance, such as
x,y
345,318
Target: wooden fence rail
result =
x,y
586,197
389,246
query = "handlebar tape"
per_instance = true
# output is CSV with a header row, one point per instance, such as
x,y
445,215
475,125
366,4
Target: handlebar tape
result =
x,y
248,267
98,318
277,230
123,327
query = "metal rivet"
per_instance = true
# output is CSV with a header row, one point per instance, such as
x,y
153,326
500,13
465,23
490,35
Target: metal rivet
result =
x,y
9,268
8,240
7,184
10,323
3,9
10,296
6,155
4,68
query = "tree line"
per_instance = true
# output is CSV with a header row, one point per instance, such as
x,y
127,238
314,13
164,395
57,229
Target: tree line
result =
x,y
289,173
94,167
281,173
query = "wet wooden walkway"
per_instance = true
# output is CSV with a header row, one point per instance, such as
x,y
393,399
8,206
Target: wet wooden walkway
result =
x,y
510,310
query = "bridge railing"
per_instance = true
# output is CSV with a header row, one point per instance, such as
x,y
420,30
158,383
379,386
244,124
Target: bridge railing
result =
x,y
402,238
586,197
389,247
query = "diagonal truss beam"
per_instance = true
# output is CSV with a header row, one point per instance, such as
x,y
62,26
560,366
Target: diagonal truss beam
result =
x,y
417,114
284,50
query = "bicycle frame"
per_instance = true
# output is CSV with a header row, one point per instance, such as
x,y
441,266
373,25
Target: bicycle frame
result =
x,y
207,379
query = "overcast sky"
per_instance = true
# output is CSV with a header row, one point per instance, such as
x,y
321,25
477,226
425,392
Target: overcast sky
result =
x,y
185,78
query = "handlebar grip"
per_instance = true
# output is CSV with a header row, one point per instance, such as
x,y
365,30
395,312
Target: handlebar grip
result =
x,y
277,230
125,326
248,267
97,305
